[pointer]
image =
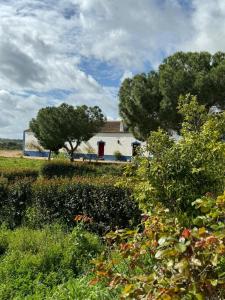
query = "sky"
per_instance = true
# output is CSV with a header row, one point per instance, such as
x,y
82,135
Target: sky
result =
x,y
79,51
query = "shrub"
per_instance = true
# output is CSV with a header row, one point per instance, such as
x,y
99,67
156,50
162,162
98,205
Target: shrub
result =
x,y
110,207
14,199
57,169
36,262
64,169
80,289
45,201
166,260
118,155
15,174
178,172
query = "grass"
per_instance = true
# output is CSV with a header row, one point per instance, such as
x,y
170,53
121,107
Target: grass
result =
x,y
35,164
51,263
20,163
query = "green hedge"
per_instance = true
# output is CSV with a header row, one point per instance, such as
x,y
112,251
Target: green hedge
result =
x,y
64,169
14,200
46,201
60,168
15,174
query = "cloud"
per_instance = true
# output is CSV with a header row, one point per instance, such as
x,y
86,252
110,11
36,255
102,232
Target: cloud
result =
x,y
86,47
18,67
208,22
130,33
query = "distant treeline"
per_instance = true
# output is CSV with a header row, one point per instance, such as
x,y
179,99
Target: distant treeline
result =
x,y
11,144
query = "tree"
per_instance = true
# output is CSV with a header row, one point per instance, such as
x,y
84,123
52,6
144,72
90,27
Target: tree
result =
x,y
149,101
45,129
66,126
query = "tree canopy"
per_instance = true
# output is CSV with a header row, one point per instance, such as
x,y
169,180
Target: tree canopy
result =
x,y
66,126
149,101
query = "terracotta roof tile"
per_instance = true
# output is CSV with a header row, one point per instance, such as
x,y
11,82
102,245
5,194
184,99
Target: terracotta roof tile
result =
x,y
112,127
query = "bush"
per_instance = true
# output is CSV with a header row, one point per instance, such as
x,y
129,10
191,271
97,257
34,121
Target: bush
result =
x,y
178,172
45,201
57,169
166,260
15,174
108,206
14,200
118,155
64,169
34,263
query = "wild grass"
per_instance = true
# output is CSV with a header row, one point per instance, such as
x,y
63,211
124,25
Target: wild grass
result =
x,y
20,163
51,263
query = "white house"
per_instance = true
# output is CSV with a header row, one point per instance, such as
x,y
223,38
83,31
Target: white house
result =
x,y
113,137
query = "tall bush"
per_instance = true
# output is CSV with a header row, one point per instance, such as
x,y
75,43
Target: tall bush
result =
x,y
178,172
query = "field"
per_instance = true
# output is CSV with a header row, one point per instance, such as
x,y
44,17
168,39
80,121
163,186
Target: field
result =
x,y
19,162
10,153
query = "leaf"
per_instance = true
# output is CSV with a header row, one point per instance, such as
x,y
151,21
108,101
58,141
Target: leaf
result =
x,y
214,282
94,281
186,233
128,288
214,260
181,247
182,265
196,262
162,240
166,297
199,296
202,231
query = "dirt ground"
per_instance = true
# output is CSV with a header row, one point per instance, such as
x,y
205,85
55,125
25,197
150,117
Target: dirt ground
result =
x,y
10,153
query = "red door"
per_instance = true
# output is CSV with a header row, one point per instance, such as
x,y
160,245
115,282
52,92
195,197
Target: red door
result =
x,y
101,147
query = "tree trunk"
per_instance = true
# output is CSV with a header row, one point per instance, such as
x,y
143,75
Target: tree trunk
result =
x,y
71,156
49,155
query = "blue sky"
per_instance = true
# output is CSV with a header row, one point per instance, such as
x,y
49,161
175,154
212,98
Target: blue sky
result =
x,y
79,51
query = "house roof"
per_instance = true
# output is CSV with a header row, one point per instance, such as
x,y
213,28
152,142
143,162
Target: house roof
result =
x,y
112,127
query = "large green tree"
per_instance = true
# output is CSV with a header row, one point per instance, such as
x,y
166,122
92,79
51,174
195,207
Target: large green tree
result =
x,y
66,126
149,101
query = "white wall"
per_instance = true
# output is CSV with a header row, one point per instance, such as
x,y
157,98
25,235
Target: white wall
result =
x,y
31,143
111,143
110,139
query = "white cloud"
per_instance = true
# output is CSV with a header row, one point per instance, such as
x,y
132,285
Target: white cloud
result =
x,y
130,33
126,74
208,20
43,42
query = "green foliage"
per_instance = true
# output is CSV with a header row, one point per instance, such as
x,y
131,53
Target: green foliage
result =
x,y
11,144
15,174
66,126
80,289
57,169
149,101
60,168
178,172
45,201
14,199
167,261
20,163
139,104
96,168
36,264
118,155
108,206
